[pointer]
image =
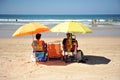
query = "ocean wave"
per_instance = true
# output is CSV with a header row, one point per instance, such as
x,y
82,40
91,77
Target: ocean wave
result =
x,y
44,20
11,23
51,22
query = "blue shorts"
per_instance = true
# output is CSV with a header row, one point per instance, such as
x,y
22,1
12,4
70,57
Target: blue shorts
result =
x,y
41,56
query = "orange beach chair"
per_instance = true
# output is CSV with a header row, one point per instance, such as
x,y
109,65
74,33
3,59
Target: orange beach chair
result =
x,y
54,51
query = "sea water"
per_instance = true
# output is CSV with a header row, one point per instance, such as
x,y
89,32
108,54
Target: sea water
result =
x,y
9,23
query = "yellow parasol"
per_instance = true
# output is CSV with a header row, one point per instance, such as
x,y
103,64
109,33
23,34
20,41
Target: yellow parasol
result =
x,y
31,28
71,27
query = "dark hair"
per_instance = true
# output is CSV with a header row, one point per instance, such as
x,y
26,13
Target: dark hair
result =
x,y
70,34
38,36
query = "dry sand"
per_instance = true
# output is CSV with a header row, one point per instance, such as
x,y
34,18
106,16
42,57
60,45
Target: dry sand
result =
x,y
103,63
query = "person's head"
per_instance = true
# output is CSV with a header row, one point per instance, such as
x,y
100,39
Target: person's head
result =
x,y
69,35
38,36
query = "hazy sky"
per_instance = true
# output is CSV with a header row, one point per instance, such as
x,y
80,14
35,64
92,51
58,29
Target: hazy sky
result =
x,y
59,6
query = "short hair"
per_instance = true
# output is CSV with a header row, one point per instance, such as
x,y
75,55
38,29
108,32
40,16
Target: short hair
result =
x,y
38,36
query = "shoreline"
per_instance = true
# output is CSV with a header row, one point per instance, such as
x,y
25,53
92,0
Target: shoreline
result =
x,y
7,30
97,31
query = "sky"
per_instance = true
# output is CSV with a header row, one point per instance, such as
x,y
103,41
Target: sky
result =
x,y
59,6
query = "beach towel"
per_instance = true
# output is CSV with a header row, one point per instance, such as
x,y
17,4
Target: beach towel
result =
x,y
38,45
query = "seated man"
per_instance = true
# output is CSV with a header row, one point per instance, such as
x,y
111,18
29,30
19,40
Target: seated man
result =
x,y
40,48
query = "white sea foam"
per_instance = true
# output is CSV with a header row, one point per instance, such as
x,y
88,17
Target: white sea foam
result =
x,y
53,21
43,20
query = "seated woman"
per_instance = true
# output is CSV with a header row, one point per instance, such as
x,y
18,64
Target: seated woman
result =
x,y
69,43
40,48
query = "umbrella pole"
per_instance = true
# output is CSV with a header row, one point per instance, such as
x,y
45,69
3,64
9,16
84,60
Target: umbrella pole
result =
x,y
33,37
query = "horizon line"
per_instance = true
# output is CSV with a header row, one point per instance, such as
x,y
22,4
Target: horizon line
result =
x,y
65,14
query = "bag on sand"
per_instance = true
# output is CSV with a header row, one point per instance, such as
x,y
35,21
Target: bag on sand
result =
x,y
79,55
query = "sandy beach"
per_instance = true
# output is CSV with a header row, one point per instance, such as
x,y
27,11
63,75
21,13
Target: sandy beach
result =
x,y
103,54
100,45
